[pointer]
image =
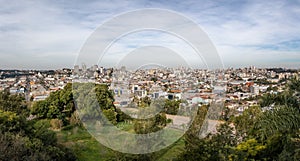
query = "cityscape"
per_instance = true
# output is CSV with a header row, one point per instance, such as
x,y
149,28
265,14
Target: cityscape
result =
x,y
147,80
181,92
241,86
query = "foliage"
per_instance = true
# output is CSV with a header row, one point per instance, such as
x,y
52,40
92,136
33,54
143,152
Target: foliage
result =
x,y
121,116
172,106
28,140
144,102
59,104
18,147
244,123
111,115
74,119
22,139
95,101
291,148
56,123
11,122
283,120
150,125
294,85
14,103
193,143
213,147
254,135
284,98
249,149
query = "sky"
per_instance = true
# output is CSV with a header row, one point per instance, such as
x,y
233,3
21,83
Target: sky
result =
x,y
50,34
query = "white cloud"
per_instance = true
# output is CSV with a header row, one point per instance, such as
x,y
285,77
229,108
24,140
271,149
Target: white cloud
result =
x,y
33,34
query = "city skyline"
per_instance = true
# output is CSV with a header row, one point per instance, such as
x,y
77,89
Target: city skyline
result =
x,y
49,35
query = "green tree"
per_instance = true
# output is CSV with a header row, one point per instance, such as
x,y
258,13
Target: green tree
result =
x,y
172,106
95,102
287,97
144,102
14,103
11,122
294,84
195,148
28,140
150,125
111,115
147,126
282,119
245,122
40,108
251,149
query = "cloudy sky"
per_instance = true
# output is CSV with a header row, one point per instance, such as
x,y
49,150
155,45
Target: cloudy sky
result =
x,y
50,34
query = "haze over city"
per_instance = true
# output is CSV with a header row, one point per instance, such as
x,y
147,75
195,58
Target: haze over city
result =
x,y
50,34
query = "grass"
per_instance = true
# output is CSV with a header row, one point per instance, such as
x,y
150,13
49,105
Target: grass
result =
x,y
125,127
173,151
87,148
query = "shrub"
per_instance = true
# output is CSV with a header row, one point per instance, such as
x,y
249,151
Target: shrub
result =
x,y
56,123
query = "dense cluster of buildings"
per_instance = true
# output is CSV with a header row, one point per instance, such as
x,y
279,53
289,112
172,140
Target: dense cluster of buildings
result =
x,y
35,85
237,87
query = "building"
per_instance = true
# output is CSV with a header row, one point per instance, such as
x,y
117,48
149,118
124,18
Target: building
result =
x,y
254,89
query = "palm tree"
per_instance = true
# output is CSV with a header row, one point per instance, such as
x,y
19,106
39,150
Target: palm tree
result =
x,y
282,119
294,85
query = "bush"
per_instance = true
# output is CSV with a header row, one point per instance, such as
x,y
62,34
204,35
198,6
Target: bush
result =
x,y
74,119
169,121
56,123
68,127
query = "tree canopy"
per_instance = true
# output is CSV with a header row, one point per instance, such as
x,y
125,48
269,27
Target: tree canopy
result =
x,y
22,139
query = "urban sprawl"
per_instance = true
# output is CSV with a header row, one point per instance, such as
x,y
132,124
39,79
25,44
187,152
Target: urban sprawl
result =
x,y
238,87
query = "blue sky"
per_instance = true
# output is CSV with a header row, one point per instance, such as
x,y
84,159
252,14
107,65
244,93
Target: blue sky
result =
x,y
49,34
